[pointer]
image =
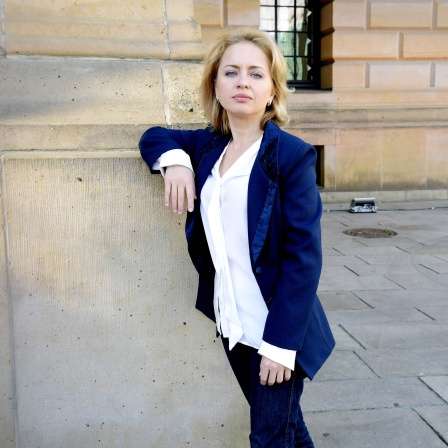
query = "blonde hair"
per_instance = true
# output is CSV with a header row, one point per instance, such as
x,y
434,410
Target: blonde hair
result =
x,y
214,112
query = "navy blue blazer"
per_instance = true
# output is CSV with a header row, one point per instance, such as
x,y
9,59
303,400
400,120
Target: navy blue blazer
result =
x,y
284,210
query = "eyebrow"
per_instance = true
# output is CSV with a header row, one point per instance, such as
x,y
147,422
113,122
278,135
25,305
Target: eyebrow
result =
x,y
250,67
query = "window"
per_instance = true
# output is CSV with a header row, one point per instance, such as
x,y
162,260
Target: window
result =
x,y
320,166
295,26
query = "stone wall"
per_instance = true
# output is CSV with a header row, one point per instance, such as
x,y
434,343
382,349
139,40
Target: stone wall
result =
x,y
383,125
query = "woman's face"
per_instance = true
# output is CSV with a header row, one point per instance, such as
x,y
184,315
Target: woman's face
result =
x,y
243,82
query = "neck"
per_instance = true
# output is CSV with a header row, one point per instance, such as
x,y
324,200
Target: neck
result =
x,y
247,133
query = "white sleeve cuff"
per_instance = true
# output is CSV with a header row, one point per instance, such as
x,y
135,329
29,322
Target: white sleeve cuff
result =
x,y
172,157
282,356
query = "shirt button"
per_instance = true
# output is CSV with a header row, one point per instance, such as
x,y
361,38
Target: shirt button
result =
x,y
258,270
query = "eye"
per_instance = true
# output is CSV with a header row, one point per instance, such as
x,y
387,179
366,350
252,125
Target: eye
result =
x,y
230,73
256,75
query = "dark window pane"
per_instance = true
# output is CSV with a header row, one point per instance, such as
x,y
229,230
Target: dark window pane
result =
x,y
302,44
302,69
302,19
291,64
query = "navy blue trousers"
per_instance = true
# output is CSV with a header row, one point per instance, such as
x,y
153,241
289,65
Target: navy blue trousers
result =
x,y
276,419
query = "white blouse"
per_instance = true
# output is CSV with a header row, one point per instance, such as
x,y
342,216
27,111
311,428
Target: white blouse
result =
x,y
240,309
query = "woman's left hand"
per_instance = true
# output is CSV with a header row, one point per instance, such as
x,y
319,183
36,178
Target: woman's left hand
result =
x,y
272,372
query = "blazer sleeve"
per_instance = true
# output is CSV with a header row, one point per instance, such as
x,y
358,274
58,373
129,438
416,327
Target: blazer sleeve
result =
x,y
300,250
158,140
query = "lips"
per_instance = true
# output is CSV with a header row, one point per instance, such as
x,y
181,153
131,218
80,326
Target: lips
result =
x,y
241,97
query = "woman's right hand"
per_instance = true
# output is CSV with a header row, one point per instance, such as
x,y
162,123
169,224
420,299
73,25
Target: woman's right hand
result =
x,y
179,180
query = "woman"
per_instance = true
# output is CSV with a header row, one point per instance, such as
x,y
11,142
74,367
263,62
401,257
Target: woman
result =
x,y
253,230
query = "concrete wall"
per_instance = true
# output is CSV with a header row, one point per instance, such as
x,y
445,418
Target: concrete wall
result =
x,y
99,341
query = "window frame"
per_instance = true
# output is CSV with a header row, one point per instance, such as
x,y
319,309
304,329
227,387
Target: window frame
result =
x,y
314,51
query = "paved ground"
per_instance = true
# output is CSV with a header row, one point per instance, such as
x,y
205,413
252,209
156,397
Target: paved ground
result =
x,y
386,385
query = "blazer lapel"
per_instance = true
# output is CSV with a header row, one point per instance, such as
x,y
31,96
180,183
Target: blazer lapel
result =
x,y
208,157
262,190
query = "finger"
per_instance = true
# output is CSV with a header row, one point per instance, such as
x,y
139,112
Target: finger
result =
x,y
264,373
180,199
174,198
287,375
167,193
279,378
191,196
272,378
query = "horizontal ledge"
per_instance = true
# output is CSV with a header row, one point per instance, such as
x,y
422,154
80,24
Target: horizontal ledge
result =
x,y
334,197
61,154
362,117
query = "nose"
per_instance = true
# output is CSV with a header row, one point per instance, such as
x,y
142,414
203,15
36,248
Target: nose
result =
x,y
243,80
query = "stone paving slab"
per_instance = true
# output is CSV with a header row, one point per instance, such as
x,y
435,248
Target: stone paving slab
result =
x,y
417,280
387,303
439,267
368,394
433,249
330,252
337,270
341,300
350,281
396,241
381,315
438,384
437,418
399,268
337,259
403,258
435,312
440,279
343,340
431,237
344,365
376,428
337,238
406,363
404,335
416,297
367,251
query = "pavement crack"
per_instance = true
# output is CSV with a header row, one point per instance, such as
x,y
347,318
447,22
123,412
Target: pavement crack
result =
x,y
362,300
425,314
351,270
346,331
359,258
367,365
398,284
432,390
429,269
434,430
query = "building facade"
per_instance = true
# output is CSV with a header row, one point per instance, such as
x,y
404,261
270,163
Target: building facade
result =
x,y
378,118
